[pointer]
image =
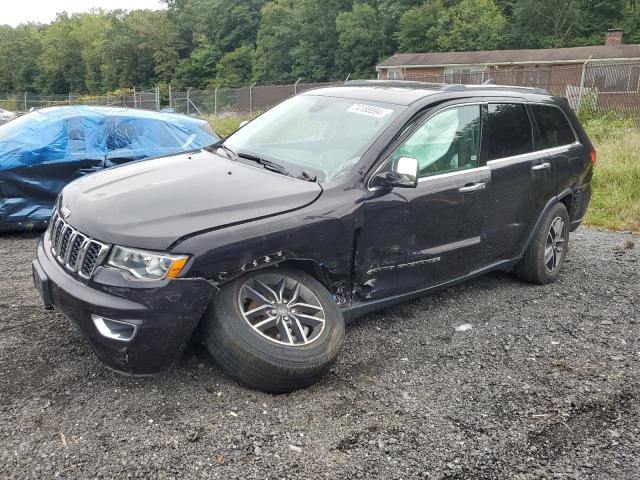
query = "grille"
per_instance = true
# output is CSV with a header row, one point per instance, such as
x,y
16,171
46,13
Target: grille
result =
x,y
74,250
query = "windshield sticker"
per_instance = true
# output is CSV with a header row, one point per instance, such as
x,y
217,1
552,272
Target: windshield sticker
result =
x,y
370,110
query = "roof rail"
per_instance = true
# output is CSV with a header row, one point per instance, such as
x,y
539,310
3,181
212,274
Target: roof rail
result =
x,y
492,86
395,83
446,87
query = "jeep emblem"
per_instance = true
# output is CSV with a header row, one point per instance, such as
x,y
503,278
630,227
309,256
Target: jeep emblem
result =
x,y
65,211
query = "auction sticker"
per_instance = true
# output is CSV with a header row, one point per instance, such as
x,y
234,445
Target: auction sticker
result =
x,y
370,110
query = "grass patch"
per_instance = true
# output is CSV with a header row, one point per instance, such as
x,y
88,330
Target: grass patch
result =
x,y
225,125
616,182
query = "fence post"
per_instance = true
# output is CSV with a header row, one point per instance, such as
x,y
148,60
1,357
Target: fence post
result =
x,y
251,97
135,99
69,98
584,69
215,100
25,101
188,100
347,79
295,86
170,97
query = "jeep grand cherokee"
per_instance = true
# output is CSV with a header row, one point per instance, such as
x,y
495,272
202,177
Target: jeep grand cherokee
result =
x,y
334,203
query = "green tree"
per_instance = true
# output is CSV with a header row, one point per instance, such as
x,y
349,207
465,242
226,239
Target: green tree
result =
x,y
555,28
234,68
465,25
297,38
419,28
472,25
361,40
276,38
200,68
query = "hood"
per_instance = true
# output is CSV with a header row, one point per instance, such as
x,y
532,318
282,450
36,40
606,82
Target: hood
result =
x,y
153,203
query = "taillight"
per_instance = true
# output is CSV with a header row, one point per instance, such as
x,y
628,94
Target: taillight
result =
x,y
594,156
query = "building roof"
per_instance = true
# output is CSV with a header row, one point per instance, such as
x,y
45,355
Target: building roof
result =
x,y
497,57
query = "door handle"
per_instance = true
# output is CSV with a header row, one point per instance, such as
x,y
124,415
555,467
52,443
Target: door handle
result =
x,y
474,187
542,166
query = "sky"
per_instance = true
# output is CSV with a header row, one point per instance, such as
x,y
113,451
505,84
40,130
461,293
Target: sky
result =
x,y
14,12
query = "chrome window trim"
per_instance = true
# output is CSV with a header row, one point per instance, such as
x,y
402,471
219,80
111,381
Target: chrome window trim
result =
x,y
454,173
546,151
377,170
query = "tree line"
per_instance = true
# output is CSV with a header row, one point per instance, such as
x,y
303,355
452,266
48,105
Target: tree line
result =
x,y
203,43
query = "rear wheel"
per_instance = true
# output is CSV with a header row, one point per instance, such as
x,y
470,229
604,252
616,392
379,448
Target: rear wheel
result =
x,y
276,329
545,255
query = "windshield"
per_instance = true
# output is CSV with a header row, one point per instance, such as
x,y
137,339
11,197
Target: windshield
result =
x,y
322,136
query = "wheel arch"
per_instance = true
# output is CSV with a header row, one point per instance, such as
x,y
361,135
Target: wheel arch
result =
x,y
338,285
565,197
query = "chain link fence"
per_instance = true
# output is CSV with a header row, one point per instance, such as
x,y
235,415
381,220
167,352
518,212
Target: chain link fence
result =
x,y
148,100
597,87
235,101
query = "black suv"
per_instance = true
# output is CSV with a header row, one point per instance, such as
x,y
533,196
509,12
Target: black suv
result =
x,y
334,203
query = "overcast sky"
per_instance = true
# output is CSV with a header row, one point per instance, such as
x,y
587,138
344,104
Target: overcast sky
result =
x,y
14,12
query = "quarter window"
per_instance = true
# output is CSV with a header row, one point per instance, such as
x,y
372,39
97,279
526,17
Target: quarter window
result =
x,y
509,131
554,128
448,141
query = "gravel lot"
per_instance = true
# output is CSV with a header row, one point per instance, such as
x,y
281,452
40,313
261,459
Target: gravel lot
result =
x,y
546,384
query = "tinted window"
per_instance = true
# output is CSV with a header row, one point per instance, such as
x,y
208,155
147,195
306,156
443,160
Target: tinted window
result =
x,y
509,131
553,125
448,141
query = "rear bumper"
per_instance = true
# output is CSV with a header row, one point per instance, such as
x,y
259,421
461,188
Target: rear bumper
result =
x,y
165,313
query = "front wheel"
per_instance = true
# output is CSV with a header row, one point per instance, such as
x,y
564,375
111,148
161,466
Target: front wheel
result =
x,y
545,255
276,329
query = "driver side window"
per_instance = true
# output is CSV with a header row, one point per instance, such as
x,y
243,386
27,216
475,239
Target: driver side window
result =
x,y
448,141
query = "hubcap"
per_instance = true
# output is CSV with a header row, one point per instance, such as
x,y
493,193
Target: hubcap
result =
x,y
554,247
281,309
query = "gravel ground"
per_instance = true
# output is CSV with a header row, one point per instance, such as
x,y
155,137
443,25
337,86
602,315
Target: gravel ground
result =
x,y
546,384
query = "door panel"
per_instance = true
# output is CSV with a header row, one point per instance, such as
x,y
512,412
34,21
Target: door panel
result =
x,y
413,238
416,238
508,139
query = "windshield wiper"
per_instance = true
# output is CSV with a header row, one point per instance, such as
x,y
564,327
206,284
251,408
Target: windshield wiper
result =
x,y
230,153
267,164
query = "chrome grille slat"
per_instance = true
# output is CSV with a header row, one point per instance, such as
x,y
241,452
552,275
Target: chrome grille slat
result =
x,y
75,251
64,242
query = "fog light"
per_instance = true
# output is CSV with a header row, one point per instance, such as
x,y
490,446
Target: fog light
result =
x,y
115,329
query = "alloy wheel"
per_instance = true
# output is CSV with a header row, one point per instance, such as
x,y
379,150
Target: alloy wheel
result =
x,y
281,309
555,245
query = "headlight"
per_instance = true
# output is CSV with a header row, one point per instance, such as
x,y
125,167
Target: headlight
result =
x,y
147,265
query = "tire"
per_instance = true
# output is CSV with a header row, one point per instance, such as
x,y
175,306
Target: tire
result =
x,y
262,357
535,267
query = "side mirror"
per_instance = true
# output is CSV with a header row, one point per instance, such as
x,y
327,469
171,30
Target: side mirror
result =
x,y
404,174
243,123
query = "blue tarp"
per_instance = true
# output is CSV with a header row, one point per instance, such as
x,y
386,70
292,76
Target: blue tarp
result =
x,y
44,150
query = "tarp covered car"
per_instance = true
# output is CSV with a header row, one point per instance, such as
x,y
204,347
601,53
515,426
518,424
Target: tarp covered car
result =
x,y
44,150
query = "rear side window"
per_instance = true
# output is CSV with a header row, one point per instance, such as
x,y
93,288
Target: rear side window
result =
x,y
509,130
554,128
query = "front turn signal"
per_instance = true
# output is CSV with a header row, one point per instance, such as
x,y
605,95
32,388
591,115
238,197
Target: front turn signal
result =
x,y
176,267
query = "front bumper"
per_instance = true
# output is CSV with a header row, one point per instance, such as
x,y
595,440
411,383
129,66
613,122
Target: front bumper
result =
x,y
165,312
